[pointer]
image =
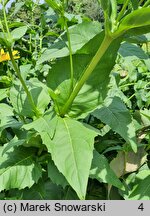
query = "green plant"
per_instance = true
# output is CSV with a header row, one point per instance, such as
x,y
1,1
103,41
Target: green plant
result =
x,y
46,127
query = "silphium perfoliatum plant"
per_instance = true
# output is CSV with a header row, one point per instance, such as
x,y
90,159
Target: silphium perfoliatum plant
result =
x,y
77,85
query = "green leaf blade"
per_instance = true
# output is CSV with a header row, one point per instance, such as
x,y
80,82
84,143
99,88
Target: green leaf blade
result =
x,y
18,169
72,152
115,114
101,171
19,32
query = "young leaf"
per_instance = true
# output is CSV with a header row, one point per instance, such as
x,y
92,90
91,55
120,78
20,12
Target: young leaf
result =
x,y
72,151
115,114
101,171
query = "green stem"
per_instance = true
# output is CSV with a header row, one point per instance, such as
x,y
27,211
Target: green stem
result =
x,y
70,55
5,19
125,85
1,26
146,3
120,15
99,54
23,83
40,43
131,97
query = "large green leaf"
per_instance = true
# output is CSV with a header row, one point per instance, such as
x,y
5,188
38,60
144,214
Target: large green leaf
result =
x,y
79,35
95,89
115,114
20,100
69,143
18,169
101,171
72,150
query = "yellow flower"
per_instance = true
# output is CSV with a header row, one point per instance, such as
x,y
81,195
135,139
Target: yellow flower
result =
x,y
5,56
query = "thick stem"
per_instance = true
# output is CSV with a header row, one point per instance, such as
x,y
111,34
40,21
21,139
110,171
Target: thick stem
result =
x,y
23,83
99,54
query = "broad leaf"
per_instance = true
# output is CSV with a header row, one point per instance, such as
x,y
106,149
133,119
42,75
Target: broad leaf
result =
x,y
101,171
79,35
72,151
18,169
95,89
115,114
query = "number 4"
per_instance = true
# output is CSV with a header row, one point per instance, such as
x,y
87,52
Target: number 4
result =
x,y
141,207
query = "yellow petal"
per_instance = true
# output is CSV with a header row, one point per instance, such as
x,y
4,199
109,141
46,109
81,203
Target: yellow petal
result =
x,y
5,56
